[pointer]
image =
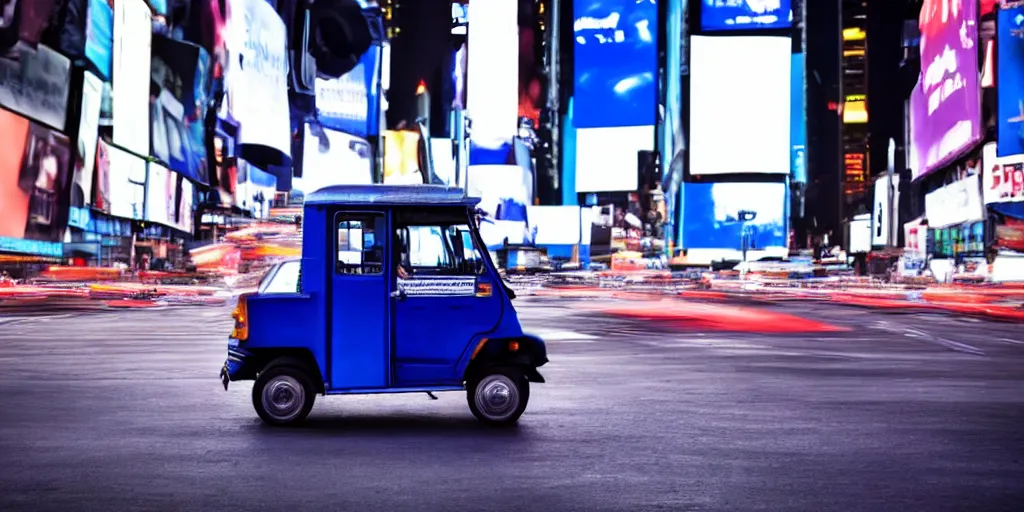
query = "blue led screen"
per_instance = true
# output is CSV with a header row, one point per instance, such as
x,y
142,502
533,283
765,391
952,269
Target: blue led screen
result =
x,y
745,14
1010,51
616,63
798,122
711,215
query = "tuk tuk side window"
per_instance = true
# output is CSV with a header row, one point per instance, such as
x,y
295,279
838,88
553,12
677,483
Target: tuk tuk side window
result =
x,y
360,248
446,249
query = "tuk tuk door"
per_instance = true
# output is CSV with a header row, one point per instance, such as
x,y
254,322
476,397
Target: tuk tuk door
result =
x,y
359,351
439,313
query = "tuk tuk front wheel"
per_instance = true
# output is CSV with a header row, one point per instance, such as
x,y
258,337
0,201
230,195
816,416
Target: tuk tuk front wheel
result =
x,y
283,395
499,397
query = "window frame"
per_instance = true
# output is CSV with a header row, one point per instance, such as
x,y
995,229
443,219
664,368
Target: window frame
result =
x,y
457,262
367,217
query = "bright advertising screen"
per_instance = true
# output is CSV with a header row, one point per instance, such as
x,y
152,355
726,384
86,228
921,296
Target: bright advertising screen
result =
x,y
34,172
1009,26
333,158
740,94
607,158
882,223
350,103
181,74
121,182
945,107
168,198
616,63
711,215
133,35
745,14
492,78
505,192
797,121
158,191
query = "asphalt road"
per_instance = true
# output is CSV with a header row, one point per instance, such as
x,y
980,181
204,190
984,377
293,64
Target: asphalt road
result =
x,y
123,411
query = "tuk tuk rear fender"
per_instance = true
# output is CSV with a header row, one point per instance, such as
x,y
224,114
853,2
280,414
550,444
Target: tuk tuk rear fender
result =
x,y
530,353
247,364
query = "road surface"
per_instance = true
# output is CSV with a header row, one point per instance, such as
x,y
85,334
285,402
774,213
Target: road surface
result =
x,y
123,411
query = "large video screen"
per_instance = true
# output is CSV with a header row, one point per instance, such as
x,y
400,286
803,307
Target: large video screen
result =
x,y
34,173
798,121
945,107
740,94
1009,24
606,158
120,182
333,158
745,14
616,63
350,103
133,37
181,74
492,76
505,192
711,215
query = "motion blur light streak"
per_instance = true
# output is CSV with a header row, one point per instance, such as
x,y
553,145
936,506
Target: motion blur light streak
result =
x,y
715,317
740,97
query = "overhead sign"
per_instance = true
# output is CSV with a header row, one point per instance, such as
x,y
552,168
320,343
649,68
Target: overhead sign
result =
x,y
882,224
36,85
957,203
1002,177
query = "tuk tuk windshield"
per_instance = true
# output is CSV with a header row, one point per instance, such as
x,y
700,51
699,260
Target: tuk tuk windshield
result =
x,y
282,279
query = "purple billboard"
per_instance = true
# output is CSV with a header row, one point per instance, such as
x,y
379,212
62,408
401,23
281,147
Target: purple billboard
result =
x,y
945,107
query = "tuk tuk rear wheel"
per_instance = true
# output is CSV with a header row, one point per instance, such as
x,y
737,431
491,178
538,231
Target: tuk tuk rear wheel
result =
x,y
499,397
283,395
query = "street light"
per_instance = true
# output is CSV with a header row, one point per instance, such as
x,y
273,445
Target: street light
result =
x,y
745,216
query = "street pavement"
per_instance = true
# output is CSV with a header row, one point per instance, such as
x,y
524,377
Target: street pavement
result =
x,y
123,411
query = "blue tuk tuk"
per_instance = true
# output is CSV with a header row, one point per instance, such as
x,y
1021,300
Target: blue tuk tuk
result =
x,y
395,293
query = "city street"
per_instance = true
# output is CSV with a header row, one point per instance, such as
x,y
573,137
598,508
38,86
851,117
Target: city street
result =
x,y
124,411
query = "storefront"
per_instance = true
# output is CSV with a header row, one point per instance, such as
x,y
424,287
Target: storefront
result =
x,y
956,221
1003,191
98,240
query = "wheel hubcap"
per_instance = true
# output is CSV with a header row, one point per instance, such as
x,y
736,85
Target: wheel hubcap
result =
x,y
497,397
283,398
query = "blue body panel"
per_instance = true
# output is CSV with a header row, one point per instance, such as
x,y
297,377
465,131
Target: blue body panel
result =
x,y
288,321
360,318
359,332
363,339
433,333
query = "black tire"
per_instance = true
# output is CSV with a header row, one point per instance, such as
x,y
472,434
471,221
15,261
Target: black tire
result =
x,y
294,394
510,382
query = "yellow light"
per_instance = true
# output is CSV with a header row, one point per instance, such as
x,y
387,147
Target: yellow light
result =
x,y
854,34
855,113
853,53
240,314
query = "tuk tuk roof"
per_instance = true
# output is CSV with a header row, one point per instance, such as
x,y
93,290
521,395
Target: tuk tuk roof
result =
x,y
391,195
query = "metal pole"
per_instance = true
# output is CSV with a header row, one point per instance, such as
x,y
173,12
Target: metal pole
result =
x,y
889,192
554,107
